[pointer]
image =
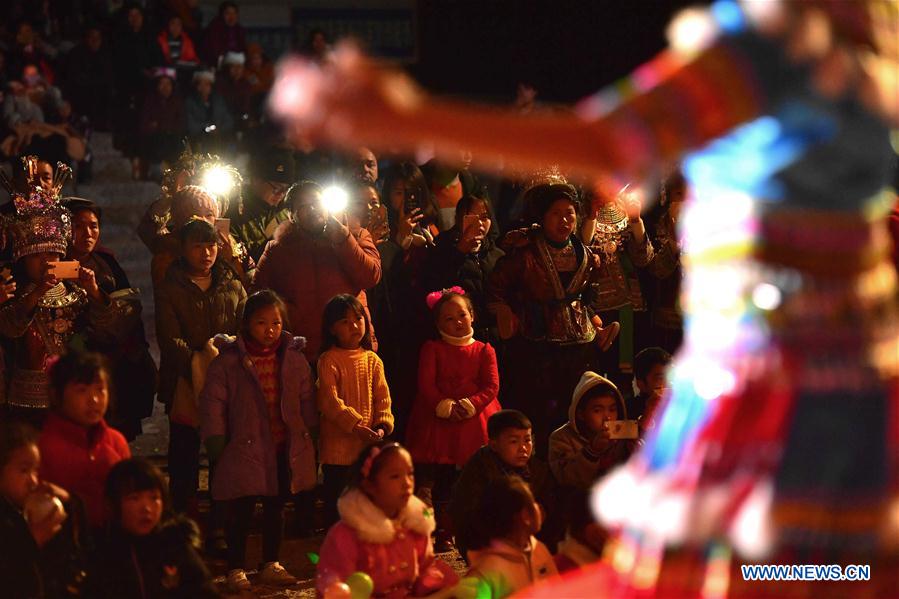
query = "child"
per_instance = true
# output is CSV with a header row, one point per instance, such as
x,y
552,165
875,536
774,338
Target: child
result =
x,y
650,375
506,557
148,553
508,452
384,530
352,394
77,446
458,385
29,543
581,450
197,300
256,411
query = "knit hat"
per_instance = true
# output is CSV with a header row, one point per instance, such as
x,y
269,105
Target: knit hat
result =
x,y
233,58
274,165
191,201
40,223
208,75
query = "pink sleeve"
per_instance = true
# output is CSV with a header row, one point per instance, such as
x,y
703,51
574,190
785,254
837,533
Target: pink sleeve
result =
x,y
435,574
337,558
488,380
428,392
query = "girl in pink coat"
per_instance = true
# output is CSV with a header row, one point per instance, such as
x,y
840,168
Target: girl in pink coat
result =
x,y
384,531
458,385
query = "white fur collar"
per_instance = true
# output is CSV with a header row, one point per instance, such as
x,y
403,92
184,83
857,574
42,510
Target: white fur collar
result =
x,y
373,526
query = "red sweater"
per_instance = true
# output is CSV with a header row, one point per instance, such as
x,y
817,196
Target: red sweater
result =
x,y
78,460
452,372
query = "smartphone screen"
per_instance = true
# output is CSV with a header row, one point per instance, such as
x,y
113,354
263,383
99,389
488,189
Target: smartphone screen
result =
x,y
623,429
223,226
65,270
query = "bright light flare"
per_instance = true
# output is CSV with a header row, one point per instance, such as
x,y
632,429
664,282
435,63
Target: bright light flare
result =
x,y
217,181
334,199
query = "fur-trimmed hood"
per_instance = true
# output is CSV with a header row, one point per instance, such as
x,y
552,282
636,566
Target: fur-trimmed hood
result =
x,y
373,526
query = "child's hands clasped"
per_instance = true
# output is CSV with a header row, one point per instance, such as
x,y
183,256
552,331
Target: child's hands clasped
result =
x,y
367,434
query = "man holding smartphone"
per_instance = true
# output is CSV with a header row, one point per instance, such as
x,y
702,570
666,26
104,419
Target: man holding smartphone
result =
x,y
264,205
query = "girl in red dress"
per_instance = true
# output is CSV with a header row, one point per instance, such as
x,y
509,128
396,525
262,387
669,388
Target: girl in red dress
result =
x,y
458,384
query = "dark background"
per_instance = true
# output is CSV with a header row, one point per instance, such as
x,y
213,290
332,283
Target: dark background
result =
x,y
565,48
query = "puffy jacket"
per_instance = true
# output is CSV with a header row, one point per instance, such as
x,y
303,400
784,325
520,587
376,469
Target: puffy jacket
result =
x,y
187,317
188,52
78,459
232,404
397,553
308,270
505,569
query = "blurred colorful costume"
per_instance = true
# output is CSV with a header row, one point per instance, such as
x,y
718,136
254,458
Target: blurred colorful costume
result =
x,y
780,438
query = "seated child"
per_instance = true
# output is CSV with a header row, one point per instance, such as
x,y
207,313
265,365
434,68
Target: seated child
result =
x,y
508,452
583,544
384,530
77,447
147,552
38,542
505,556
581,450
650,372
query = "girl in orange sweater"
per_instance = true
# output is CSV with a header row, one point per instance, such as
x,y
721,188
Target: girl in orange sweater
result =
x,y
352,394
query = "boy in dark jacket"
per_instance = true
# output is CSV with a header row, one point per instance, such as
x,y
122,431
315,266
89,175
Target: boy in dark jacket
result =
x,y
509,452
650,372
581,450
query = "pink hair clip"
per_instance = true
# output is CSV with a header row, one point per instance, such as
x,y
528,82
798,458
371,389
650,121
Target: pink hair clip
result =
x,y
366,465
433,297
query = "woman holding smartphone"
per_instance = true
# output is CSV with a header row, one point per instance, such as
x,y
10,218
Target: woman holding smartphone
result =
x,y
465,255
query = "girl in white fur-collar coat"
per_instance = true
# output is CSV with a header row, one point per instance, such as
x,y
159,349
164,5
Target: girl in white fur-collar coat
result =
x,y
384,530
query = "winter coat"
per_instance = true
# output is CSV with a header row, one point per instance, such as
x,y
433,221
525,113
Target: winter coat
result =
x,y
352,390
397,554
484,467
256,224
447,266
506,569
161,565
232,404
162,116
308,270
78,459
200,114
526,282
187,317
450,372
572,461
219,38
132,365
19,555
188,52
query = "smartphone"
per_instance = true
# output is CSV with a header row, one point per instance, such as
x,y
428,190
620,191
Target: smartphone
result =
x,y
223,226
622,429
67,269
410,203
